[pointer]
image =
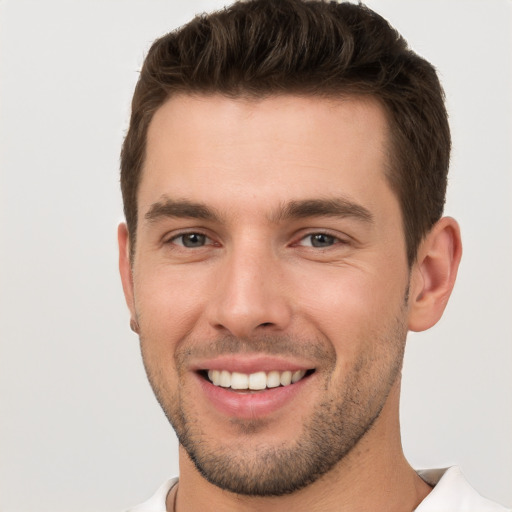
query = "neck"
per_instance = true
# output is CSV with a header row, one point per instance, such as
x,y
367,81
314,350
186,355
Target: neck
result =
x,y
373,476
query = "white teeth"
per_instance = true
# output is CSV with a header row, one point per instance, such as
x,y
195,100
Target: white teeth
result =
x,y
258,380
214,376
273,379
239,380
225,379
286,378
254,381
297,375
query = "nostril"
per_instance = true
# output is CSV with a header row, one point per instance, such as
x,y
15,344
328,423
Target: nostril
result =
x,y
266,324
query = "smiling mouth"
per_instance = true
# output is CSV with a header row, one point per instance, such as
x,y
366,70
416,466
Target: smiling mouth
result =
x,y
254,381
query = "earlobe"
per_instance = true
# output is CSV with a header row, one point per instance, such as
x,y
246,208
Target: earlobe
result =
x,y
433,275
125,270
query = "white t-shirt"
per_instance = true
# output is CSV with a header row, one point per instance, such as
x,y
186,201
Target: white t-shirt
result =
x,y
451,493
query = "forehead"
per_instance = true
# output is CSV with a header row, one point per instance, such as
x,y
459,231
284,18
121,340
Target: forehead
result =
x,y
210,147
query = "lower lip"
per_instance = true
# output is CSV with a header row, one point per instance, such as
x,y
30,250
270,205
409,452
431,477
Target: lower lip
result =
x,y
250,405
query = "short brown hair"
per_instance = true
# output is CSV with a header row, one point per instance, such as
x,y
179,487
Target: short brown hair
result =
x,y
307,47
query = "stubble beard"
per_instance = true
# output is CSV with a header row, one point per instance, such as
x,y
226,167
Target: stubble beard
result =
x,y
334,428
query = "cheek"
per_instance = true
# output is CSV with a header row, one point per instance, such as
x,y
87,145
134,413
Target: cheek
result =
x,y
168,302
167,308
346,295
356,310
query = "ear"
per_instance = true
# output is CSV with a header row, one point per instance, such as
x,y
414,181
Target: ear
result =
x,y
433,274
125,269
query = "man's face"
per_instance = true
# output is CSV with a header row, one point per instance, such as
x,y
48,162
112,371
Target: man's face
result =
x,y
269,244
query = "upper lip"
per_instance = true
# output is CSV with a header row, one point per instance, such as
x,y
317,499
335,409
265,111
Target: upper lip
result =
x,y
250,364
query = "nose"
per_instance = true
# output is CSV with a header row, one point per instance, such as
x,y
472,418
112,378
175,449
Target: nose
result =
x,y
251,295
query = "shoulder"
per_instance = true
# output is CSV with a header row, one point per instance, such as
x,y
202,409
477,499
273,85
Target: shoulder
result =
x,y
452,492
157,502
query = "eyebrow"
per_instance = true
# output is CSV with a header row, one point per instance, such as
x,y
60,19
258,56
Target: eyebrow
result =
x,y
181,208
332,207
296,209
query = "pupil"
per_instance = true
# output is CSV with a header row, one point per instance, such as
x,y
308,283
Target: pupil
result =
x,y
321,240
193,240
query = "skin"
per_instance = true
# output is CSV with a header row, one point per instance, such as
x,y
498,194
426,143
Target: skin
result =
x,y
256,285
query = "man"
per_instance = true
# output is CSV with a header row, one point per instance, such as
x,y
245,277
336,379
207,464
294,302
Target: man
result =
x,y
283,178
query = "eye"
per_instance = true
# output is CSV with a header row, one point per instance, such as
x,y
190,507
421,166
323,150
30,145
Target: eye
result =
x,y
191,240
319,240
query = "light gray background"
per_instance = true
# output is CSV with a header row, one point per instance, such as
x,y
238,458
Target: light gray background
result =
x,y
80,429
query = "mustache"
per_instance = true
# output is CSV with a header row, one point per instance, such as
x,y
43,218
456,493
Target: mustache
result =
x,y
268,344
